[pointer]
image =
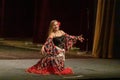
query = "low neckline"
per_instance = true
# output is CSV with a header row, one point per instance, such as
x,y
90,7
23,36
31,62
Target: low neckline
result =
x,y
58,36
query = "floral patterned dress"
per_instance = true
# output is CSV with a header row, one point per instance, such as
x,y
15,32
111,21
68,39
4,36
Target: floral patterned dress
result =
x,y
53,61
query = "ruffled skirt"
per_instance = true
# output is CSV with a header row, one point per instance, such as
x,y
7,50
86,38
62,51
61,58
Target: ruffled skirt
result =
x,y
50,64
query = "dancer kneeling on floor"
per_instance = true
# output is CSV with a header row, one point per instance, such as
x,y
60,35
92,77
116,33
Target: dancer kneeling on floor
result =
x,y
57,43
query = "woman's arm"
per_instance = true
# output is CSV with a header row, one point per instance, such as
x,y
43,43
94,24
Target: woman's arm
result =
x,y
49,37
49,47
71,39
80,38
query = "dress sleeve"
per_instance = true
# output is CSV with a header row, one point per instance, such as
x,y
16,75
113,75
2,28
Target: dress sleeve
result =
x,y
70,40
50,47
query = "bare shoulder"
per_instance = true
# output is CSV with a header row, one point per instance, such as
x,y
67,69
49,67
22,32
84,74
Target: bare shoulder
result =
x,y
51,35
62,32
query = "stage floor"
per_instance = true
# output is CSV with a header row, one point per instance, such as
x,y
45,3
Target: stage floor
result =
x,y
90,69
16,56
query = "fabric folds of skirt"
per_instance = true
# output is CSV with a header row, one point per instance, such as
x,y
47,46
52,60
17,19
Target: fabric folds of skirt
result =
x,y
51,64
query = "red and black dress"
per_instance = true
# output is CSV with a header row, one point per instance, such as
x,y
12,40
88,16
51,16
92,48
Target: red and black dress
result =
x,y
53,61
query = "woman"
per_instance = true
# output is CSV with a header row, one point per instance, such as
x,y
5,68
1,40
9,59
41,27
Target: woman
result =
x,y
54,52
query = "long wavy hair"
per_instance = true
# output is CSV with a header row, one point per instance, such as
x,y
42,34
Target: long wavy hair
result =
x,y
50,30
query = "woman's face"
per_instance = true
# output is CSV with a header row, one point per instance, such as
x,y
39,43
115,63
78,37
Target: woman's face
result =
x,y
56,26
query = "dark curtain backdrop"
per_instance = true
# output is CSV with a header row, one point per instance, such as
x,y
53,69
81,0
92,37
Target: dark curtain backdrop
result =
x,y
30,18
16,18
2,8
76,17
116,45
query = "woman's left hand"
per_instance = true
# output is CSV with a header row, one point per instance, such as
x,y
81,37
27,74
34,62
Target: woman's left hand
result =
x,y
80,38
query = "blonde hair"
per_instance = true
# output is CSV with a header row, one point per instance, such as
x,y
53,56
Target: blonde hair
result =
x,y
51,27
